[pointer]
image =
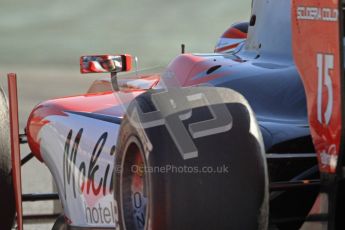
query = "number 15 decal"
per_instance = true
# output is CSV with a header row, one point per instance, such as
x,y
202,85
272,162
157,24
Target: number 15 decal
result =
x,y
325,63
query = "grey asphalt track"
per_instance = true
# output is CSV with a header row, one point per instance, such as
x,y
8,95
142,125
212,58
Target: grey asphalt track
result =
x,y
42,40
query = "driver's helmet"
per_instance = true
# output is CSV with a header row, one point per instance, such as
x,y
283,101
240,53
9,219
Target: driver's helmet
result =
x,y
232,37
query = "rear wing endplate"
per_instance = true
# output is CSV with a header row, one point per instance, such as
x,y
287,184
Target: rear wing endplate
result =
x,y
317,37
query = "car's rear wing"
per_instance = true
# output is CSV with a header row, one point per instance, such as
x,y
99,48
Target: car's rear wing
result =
x,y
317,37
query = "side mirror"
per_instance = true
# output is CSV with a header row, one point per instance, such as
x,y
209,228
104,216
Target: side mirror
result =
x,y
105,63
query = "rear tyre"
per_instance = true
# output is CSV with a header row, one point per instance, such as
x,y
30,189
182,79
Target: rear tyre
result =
x,y
151,195
7,201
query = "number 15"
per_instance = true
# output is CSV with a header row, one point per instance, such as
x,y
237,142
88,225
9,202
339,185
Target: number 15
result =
x,y
325,62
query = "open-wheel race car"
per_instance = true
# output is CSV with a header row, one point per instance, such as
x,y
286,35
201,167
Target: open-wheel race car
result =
x,y
248,137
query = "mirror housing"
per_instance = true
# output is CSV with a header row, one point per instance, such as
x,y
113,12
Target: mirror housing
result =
x,y
105,63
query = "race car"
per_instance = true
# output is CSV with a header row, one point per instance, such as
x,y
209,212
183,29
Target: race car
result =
x,y
247,137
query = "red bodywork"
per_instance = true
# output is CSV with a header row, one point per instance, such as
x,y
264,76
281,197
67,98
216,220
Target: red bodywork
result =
x,y
318,59
103,103
101,99
319,62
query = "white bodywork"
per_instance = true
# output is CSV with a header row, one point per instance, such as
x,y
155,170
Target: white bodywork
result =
x,y
83,173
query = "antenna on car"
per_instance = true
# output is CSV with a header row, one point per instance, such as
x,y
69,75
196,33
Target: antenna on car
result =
x,y
183,48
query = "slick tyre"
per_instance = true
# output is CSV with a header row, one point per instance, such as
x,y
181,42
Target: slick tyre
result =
x,y
190,158
7,202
